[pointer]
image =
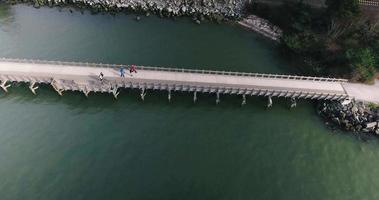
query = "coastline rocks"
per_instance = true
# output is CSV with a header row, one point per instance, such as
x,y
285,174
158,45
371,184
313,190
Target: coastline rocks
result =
x,y
351,116
262,26
208,8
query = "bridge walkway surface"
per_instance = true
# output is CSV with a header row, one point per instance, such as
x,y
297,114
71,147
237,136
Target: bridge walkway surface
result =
x,y
84,77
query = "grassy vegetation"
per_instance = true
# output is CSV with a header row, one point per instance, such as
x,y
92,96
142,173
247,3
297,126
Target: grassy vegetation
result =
x,y
335,41
373,106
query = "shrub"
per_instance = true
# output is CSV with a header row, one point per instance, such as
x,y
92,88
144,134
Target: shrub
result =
x,y
363,62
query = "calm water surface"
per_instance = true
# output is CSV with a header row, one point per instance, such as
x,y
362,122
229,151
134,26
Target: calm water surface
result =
x,y
72,147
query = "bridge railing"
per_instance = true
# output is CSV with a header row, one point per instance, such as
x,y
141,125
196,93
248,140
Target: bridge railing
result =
x,y
369,2
182,70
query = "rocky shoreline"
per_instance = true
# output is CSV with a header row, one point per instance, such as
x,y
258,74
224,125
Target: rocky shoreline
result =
x,y
351,116
262,26
199,9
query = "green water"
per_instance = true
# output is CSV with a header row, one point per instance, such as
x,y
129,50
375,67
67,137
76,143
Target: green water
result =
x,y
72,147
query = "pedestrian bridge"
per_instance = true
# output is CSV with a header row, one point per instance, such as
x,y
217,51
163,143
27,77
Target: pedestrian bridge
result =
x,y
84,77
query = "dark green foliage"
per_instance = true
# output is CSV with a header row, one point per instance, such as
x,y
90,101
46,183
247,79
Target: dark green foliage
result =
x,y
337,41
304,42
363,62
342,8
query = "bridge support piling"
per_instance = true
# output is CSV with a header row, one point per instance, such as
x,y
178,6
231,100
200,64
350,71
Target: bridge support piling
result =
x,y
4,85
56,88
143,94
115,92
293,102
32,88
194,97
243,100
169,96
85,92
269,105
217,97
60,91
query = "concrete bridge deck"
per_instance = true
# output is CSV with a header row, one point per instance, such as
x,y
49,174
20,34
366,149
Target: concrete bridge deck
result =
x,y
65,76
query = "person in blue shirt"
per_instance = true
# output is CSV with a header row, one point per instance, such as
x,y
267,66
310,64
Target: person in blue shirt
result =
x,y
122,72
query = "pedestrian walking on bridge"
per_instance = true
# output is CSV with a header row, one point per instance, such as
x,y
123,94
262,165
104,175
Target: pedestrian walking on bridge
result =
x,y
101,77
122,72
132,69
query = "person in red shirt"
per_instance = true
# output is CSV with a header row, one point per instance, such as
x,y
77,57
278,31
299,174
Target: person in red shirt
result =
x,y
132,69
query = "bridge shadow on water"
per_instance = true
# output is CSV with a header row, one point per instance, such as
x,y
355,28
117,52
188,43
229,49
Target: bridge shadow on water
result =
x,y
154,100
